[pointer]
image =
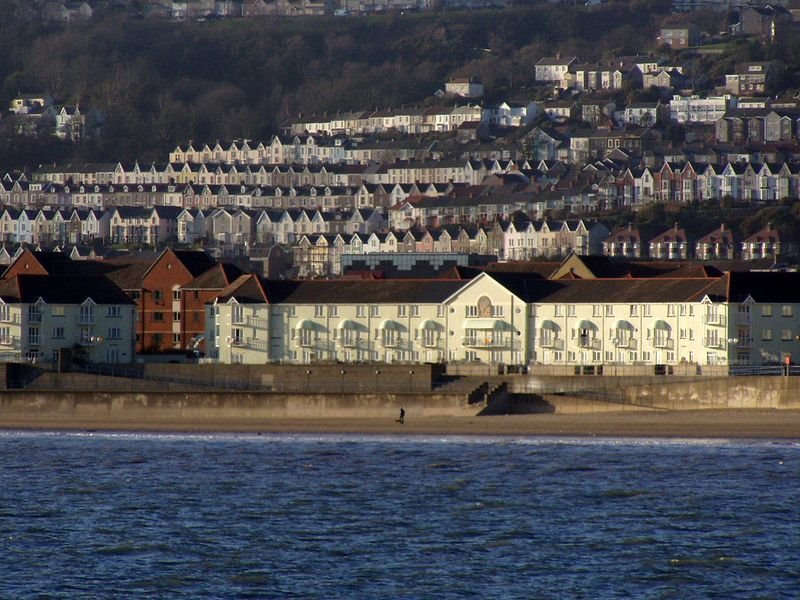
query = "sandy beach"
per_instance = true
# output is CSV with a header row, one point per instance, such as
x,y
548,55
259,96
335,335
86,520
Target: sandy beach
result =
x,y
783,424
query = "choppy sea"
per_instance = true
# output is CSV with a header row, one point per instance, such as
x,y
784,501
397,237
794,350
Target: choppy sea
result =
x,y
98,515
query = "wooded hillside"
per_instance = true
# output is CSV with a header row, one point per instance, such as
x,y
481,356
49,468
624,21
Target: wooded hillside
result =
x,y
162,83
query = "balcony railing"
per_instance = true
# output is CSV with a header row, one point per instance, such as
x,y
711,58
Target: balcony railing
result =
x,y
35,317
391,342
85,319
712,342
484,341
254,344
627,343
715,319
552,343
664,343
258,323
588,343
10,340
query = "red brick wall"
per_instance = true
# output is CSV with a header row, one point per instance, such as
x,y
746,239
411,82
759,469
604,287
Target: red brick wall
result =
x,y
155,326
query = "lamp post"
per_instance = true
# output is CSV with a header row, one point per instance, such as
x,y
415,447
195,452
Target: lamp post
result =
x,y
410,380
308,379
734,341
377,374
342,373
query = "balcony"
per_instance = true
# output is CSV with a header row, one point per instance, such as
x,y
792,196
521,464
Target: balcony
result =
x,y
254,344
712,342
34,317
745,342
391,342
744,319
477,341
716,320
258,323
586,342
10,340
552,343
91,340
664,343
86,319
626,343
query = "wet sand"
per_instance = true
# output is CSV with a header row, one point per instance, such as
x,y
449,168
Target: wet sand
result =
x,y
742,424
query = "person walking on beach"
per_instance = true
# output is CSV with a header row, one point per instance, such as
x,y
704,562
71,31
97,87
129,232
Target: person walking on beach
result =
x,y
402,418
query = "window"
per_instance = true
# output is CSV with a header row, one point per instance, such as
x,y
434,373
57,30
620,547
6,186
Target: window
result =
x,y
333,311
766,310
609,310
158,317
570,310
766,335
786,335
786,310
361,311
374,310
58,333
176,338
176,294
5,335
34,313
597,310
414,310
401,310
319,310
58,311
5,312
114,333
648,310
176,316
497,310
33,335
559,310
634,310
441,311
237,314
471,311
86,313
112,311
158,295
136,295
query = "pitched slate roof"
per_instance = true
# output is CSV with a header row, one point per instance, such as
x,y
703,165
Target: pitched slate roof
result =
x,y
57,289
246,289
762,286
360,291
195,261
217,277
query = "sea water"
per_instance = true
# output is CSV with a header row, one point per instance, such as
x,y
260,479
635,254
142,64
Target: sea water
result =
x,y
99,515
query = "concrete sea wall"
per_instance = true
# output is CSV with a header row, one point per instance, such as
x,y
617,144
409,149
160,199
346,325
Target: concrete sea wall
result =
x,y
669,393
131,407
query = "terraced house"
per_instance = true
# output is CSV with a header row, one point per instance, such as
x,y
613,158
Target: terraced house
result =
x,y
701,322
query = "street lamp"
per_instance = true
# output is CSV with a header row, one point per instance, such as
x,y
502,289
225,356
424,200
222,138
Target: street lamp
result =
x,y
377,373
410,380
308,379
343,373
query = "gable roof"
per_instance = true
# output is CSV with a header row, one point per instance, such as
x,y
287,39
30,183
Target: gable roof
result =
x,y
58,289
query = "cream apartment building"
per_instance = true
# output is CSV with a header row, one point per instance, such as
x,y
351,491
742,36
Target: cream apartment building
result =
x,y
43,315
569,325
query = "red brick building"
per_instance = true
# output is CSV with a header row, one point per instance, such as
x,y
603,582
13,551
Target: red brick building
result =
x,y
159,306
